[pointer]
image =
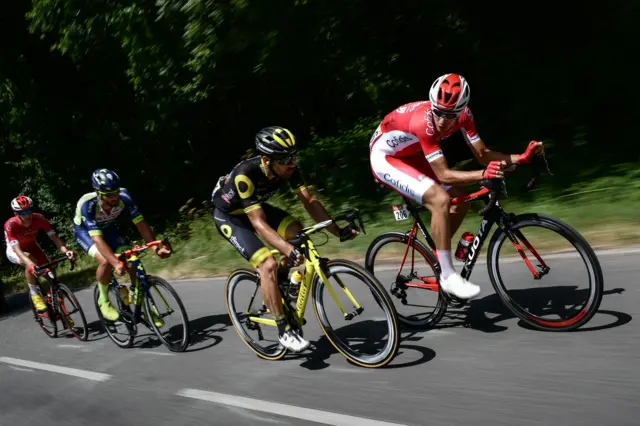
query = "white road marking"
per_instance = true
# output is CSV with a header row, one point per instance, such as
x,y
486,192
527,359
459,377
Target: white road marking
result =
x,y
21,369
303,413
89,375
71,346
156,353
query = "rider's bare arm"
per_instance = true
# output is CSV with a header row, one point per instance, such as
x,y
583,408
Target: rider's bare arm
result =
x,y
454,177
316,210
105,250
147,233
259,221
58,242
484,155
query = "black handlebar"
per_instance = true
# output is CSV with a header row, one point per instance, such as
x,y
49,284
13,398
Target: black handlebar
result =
x,y
496,186
352,217
39,269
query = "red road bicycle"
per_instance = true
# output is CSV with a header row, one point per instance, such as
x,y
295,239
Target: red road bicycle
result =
x,y
568,315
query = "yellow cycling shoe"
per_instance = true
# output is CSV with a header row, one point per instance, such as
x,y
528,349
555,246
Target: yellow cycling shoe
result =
x,y
108,311
38,303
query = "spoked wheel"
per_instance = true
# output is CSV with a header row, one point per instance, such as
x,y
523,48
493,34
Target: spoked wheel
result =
x,y
409,272
550,307
166,304
246,309
121,331
46,320
71,313
371,343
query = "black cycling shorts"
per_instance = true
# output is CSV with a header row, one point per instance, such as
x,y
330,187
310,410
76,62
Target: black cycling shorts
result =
x,y
238,230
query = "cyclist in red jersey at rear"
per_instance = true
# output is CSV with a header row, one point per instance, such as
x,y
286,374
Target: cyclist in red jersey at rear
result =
x,y
20,234
405,154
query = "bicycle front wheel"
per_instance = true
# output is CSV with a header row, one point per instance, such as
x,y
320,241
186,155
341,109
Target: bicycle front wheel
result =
x,y
558,307
72,314
371,344
173,336
250,316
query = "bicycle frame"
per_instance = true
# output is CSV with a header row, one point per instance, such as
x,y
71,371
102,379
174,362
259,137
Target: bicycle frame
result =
x,y
494,216
52,279
314,263
132,259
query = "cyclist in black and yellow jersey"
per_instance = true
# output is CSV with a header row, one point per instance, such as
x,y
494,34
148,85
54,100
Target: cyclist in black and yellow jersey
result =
x,y
240,212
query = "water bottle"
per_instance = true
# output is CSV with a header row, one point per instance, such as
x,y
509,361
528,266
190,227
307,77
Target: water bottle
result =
x,y
463,246
294,283
124,294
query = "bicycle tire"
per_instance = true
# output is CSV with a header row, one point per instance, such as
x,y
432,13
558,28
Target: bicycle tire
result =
x,y
50,318
128,342
234,278
583,247
85,334
184,342
382,298
402,237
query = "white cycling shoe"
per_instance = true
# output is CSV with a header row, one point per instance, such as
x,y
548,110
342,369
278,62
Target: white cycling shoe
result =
x,y
456,285
293,341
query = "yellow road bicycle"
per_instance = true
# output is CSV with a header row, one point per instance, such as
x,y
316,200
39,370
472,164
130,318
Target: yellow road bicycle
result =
x,y
372,344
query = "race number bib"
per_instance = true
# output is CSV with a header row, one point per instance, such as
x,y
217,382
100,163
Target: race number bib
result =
x,y
401,212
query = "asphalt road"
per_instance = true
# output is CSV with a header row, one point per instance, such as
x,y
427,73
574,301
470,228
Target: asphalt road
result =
x,y
499,373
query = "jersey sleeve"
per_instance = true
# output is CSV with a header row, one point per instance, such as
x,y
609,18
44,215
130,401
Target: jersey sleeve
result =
x,y
297,182
8,233
246,189
429,142
88,217
130,206
468,127
43,223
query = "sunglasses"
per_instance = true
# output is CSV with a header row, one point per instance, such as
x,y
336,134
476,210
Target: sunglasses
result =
x,y
24,212
448,115
283,161
110,193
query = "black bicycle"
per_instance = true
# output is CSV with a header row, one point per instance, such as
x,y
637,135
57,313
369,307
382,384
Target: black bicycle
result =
x,y
146,305
568,314
61,304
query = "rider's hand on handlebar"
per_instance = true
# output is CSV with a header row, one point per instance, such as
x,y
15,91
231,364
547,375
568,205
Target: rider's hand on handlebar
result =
x,y
162,252
494,170
119,269
70,254
349,232
296,258
31,269
534,148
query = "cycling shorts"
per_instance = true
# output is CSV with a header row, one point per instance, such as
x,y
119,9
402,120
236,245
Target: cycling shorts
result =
x,y
238,230
410,176
35,251
111,236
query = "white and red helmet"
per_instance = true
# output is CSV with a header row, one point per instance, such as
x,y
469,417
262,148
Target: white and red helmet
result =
x,y
450,93
21,203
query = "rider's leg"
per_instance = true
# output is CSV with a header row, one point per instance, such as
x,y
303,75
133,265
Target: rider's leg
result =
x,y
458,212
34,291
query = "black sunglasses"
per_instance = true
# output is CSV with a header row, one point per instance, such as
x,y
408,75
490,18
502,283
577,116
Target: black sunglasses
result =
x,y
283,161
448,115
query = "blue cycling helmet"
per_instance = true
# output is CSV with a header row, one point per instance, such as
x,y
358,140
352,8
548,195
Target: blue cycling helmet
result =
x,y
105,180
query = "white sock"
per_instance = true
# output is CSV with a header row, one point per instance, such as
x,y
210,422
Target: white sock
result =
x,y
33,289
446,263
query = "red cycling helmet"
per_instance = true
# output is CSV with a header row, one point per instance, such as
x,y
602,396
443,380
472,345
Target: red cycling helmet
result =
x,y
450,93
21,203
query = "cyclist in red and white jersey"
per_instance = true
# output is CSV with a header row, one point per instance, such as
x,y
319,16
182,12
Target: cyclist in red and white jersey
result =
x,y
405,154
20,234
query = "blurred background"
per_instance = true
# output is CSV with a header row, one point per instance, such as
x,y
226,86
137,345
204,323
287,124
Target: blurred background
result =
x,y
169,94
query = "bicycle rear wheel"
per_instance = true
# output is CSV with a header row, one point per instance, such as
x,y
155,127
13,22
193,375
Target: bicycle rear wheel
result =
x,y
177,336
246,315
69,306
386,325
531,309
412,273
121,331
